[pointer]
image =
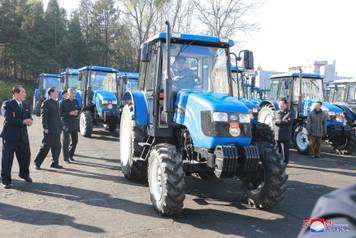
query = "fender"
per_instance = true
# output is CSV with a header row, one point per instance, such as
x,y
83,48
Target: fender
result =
x,y
139,102
273,103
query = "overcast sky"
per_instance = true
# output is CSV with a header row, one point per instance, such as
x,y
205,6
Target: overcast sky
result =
x,y
294,32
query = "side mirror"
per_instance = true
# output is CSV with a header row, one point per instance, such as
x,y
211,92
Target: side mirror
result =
x,y
248,59
145,52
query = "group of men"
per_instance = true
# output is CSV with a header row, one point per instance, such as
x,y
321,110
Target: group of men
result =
x,y
316,126
55,119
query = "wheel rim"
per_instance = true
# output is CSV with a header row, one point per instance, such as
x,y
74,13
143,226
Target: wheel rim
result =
x,y
267,118
302,140
125,140
156,180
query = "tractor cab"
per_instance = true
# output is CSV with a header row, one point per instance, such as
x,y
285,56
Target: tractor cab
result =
x,y
343,94
70,80
98,89
130,79
302,90
45,81
184,119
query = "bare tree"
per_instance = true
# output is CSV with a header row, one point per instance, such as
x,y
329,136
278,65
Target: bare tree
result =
x,y
223,18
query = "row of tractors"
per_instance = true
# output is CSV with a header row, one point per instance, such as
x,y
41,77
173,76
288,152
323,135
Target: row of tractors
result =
x,y
208,121
97,91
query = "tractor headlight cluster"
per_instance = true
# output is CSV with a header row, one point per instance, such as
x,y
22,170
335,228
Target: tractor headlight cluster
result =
x,y
230,117
337,116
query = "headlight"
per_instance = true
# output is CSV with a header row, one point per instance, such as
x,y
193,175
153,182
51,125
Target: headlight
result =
x,y
104,102
244,118
233,117
220,116
332,113
340,117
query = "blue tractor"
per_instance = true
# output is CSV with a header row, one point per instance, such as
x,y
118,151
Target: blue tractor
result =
x,y
343,94
183,120
70,80
130,80
98,87
302,90
45,81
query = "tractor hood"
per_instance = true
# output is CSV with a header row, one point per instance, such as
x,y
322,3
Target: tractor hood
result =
x,y
194,109
250,104
105,95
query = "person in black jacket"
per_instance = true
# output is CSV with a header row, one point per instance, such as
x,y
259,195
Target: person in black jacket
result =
x,y
15,137
52,128
69,111
283,129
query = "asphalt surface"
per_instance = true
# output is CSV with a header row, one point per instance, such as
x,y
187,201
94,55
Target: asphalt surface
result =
x,y
91,198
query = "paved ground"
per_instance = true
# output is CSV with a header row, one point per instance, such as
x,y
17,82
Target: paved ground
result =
x,y
91,198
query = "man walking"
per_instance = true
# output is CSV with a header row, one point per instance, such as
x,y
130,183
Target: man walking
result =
x,y
15,137
316,126
69,110
52,128
283,129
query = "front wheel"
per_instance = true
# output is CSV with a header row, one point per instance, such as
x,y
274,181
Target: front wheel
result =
x,y
265,188
300,138
86,124
344,143
166,179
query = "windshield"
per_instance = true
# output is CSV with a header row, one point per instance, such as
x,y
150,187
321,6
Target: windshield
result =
x,y
198,67
351,96
312,89
339,93
49,82
73,81
103,81
279,88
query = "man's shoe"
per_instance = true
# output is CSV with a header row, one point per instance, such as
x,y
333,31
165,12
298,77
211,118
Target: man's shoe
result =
x,y
56,166
7,186
67,161
28,179
37,167
71,158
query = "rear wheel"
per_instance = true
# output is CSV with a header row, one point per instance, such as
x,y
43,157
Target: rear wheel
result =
x,y
266,115
86,124
262,133
345,143
130,136
300,138
166,179
266,188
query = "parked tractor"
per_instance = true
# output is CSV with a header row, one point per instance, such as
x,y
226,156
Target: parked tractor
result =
x,y
70,80
45,81
302,90
343,94
184,120
99,102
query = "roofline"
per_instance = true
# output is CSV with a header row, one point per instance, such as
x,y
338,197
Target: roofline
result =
x,y
297,74
99,68
343,81
50,75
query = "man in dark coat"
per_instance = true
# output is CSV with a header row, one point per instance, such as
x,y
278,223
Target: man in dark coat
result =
x,y
15,137
283,129
316,126
69,111
52,128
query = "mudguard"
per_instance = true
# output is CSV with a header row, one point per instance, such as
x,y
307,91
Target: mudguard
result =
x,y
190,105
139,102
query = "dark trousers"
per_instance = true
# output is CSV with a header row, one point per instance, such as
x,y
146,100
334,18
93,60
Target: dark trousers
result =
x,y
69,149
23,155
315,144
50,142
283,148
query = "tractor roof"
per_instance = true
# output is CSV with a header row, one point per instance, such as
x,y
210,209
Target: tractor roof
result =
x,y
130,75
70,71
236,69
344,81
192,38
50,75
297,74
98,68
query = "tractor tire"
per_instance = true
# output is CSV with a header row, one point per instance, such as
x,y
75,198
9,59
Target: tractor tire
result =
x,y
86,124
266,116
111,127
262,133
130,136
166,179
346,144
301,139
266,188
